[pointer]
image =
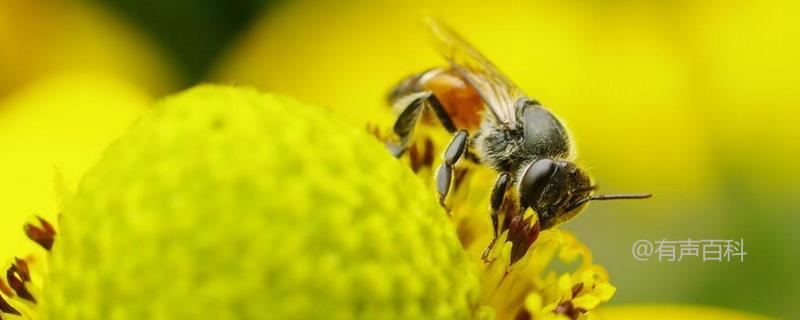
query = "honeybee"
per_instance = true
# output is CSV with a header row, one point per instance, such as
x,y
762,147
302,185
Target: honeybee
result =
x,y
495,124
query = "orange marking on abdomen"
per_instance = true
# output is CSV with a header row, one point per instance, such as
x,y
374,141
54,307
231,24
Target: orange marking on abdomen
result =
x,y
459,99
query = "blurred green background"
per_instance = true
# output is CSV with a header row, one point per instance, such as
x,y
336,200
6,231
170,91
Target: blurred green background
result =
x,y
694,101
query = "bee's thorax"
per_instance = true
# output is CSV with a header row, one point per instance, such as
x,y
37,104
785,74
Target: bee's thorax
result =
x,y
538,135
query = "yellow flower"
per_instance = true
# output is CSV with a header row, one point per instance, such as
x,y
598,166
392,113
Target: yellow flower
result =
x,y
532,289
205,208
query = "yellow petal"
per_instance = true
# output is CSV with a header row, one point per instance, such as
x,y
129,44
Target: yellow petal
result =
x,y
605,291
586,302
587,277
533,302
549,308
565,287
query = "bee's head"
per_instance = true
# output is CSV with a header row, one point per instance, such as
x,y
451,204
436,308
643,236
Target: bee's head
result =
x,y
557,190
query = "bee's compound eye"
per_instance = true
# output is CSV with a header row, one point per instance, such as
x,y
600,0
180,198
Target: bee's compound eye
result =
x,y
535,179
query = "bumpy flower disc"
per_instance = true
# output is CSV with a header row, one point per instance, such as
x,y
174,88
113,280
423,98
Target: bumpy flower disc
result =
x,y
225,203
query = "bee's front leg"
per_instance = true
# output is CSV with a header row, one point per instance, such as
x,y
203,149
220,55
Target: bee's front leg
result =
x,y
444,175
496,203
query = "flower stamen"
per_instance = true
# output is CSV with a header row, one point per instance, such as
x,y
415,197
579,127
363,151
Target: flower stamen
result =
x,y
421,155
522,232
4,288
5,307
577,289
44,235
569,310
17,275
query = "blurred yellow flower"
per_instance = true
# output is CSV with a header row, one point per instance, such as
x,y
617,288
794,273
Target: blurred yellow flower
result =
x,y
44,37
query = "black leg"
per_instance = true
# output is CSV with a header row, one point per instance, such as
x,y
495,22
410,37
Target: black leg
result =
x,y
407,120
496,202
444,176
497,197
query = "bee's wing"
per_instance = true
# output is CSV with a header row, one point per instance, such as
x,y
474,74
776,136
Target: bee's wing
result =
x,y
495,88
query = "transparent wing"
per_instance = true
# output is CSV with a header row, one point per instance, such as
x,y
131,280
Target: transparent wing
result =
x,y
496,89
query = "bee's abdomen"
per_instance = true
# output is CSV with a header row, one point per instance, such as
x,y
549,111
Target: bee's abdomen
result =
x,y
461,101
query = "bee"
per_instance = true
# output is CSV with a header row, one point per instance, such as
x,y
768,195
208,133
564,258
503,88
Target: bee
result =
x,y
494,123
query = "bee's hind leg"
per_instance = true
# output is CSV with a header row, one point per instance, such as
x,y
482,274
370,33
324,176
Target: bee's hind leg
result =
x,y
407,120
496,203
454,151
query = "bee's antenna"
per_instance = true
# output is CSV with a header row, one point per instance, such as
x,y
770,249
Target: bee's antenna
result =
x,y
609,197
621,196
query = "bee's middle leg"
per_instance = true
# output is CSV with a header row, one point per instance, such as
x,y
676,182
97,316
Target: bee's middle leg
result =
x,y
454,151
